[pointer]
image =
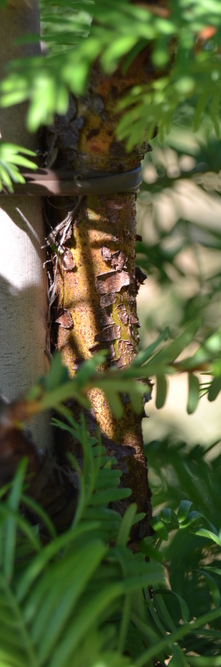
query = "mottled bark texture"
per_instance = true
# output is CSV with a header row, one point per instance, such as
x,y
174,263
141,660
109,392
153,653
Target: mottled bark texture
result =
x,y
94,269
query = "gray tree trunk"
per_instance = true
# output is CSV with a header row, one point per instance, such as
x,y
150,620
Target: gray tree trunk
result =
x,y
23,292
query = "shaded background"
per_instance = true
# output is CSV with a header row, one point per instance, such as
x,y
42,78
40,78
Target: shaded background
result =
x,y
179,218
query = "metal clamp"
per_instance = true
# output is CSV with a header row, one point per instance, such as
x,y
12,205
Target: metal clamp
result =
x,y
47,182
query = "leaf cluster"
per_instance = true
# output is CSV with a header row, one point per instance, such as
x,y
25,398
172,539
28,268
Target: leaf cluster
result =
x,y
159,359
70,597
78,34
83,596
188,540
11,158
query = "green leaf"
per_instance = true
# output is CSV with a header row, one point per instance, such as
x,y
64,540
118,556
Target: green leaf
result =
x,y
183,605
118,48
214,389
212,585
88,559
11,525
115,402
126,525
94,607
172,351
38,511
9,158
193,393
58,373
149,550
168,516
161,391
215,570
201,661
144,355
183,510
159,528
89,367
111,495
209,350
165,515
178,659
163,611
136,398
203,532
194,516
5,177
39,562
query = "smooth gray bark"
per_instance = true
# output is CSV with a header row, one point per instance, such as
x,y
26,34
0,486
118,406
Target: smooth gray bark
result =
x,y
23,291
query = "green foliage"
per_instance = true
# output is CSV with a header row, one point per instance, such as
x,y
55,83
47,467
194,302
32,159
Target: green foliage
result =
x,y
187,539
111,31
83,597
184,169
55,388
70,599
178,471
179,219
10,160
52,390
77,34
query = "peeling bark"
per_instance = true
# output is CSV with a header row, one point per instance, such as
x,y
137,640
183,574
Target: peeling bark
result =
x,y
98,291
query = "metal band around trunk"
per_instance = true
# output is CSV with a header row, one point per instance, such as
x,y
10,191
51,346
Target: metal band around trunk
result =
x,y
47,182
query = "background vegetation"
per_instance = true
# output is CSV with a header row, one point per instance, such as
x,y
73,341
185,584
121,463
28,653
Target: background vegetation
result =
x,y
179,219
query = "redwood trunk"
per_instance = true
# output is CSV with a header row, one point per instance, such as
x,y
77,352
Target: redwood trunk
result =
x,y
94,267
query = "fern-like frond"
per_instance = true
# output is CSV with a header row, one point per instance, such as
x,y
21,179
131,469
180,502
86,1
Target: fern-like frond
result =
x,y
11,158
99,483
70,599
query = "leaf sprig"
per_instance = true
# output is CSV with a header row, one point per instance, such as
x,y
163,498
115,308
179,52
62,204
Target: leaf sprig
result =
x,y
54,389
115,32
12,157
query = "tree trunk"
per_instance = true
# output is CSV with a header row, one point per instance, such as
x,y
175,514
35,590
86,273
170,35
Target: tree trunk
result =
x,y
23,289
94,266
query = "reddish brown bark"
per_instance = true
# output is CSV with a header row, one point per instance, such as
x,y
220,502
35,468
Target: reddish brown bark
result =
x,y
96,294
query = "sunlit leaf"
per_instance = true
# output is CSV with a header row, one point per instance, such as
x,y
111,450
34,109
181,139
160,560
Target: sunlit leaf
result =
x,y
159,528
203,532
10,156
183,510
